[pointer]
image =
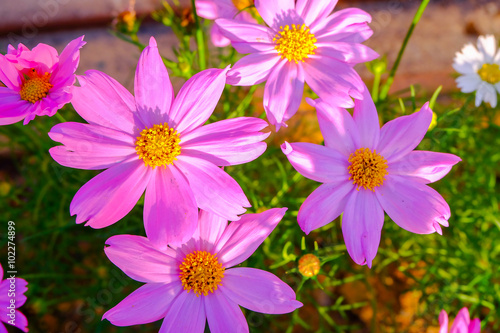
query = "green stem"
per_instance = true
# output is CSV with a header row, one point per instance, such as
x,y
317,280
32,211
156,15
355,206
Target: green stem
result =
x,y
385,88
375,87
60,117
199,39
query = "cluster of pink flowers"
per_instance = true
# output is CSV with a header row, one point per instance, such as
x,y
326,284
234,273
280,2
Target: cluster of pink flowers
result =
x,y
157,143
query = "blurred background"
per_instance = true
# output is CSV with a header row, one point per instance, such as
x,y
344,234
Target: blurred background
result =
x,y
71,282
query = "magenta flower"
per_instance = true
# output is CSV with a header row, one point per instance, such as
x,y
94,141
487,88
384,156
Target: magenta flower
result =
x,y
37,82
11,298
191,284
303,43
462,323
158,143
214,9
367,170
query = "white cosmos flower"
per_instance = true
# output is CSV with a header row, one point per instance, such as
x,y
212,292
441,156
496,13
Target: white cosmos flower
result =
x,y
480,69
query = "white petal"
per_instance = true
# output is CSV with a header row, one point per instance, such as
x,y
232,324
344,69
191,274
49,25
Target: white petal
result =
x,y
487,45
468,82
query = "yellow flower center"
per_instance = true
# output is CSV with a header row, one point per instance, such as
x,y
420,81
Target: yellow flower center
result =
x,y
490,73
35,86
309,265
242,4
158,146
367,169
201,272
295,43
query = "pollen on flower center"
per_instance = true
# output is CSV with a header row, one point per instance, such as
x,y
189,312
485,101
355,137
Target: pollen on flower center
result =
x,y
367,169
490,73
35,86
242,4
201,272
295,43
158,145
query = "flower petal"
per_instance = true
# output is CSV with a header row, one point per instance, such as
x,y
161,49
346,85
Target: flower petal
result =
x,y
110,195
351,53
252,69
211,9
324,205
241,238
214,190
9,75
443,322
475,326
283,92
170,209
340,21
147,304
247,37
101,100
412,205
314,10
316,162
258,290
90,147
187,314
487,46
137,257
468,82
2,328
362,226
197,99
338,127
461,322
18,297
210,229
336,88
276,12
224,315
64,73
400,136
12,107
227,142
366,118
427,165
154,93
217,37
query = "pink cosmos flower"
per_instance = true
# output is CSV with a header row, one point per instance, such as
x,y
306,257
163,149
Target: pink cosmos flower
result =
x,y
462,323
367,170
11,298
37,82
303,43
158,144
193,283
231,9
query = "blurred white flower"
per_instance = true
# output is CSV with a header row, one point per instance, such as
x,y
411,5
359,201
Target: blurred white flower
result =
x,y
480,69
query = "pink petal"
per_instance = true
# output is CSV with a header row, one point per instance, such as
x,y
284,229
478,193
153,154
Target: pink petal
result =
x,y
412,205
9,75
283,92
68,63
147,304
258,290
227,142
224,315
339,21
214,190
2,328
241,238
461,322
187,314
314,10
110,195
475,326
247,37
277,12
12,107
154,93
1,273
42,53
351,53
101,100
333,81
316,162
400,136
252,69
362,226
170,210
210,229
211,9
90,147
366,118
19,297
324,205
338,127
443,322
21,321
197,99
217,37
427,165
137,257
